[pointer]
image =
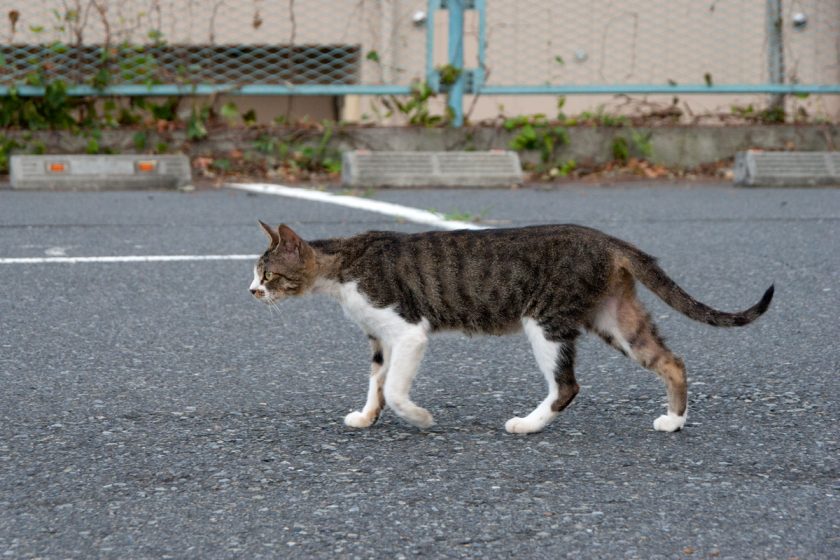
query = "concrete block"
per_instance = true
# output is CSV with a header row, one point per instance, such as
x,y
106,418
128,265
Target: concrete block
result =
x,y
99,172
430,169
787,169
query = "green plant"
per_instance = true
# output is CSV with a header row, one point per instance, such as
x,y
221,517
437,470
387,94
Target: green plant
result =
x,y
249,117
601,118
7,145
319,157
449,74
773,115
462,216
94,143
535,132
638,145
55,109
770,115
92,146
229,112
641,143
221,164
37,147
561,102
300,155
197,122
140,140
416,109
265,144
620,149
166,111
565,169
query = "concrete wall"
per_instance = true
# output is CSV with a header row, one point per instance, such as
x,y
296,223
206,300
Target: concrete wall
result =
x,y
684,147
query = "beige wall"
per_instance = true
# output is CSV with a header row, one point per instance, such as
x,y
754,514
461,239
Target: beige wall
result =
x,y
528,42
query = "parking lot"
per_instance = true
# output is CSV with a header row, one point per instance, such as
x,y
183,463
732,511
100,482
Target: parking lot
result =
x,y
155,410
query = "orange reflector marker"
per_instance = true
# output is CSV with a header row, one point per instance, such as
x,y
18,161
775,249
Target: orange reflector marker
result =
x,y
147,166
57,167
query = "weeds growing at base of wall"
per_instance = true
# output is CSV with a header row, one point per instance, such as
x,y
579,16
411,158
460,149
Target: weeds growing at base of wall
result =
x,y
304,150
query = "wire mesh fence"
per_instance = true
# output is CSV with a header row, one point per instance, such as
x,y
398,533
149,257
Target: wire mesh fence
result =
x,y
225,42
661,42
336,47
604,42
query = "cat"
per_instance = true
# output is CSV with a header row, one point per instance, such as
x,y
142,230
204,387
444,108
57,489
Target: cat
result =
x,y
551,281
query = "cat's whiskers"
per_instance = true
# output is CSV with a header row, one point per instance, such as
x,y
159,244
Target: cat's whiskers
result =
x,y
272,304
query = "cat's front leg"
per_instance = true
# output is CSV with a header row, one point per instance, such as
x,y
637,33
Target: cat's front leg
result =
x,y
375,398
406,353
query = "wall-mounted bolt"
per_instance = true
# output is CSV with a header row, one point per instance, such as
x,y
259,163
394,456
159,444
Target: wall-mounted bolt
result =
x,y
800,20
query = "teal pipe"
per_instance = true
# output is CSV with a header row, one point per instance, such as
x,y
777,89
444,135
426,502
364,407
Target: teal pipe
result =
x,y
549,89
455,51
208,89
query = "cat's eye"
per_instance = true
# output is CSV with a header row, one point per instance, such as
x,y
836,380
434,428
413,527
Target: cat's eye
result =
x,y
269,276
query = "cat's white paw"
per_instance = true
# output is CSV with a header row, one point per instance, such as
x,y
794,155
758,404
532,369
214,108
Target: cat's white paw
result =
x,y
358,420
517,425
415,415
669,422
421,418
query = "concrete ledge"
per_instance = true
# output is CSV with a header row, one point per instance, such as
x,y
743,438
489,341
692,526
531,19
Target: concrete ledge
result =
x,y
672,146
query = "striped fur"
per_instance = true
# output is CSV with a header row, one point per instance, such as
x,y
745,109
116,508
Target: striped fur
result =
x,y
557,279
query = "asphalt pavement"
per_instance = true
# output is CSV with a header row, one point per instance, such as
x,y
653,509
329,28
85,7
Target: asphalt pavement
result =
x,y
154,410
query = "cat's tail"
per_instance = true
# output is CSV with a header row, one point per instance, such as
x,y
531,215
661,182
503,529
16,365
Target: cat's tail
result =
x,y
644,268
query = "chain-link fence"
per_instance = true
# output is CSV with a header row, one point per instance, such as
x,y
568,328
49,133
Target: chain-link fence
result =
x,y
662,43
337,47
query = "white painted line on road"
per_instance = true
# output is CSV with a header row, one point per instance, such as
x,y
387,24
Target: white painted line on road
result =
x,y
125,259
415,215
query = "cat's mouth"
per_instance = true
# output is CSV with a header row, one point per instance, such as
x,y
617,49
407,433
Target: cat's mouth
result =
x,y
263,296
268,299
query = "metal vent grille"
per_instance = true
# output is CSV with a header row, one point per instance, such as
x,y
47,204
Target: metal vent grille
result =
x,y
213,64
429,169
787,169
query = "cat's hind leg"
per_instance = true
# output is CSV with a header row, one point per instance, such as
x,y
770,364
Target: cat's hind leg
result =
x,y
555,356
375,397
407,349
624,323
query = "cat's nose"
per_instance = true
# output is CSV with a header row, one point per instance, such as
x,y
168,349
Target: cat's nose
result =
x,y
256,292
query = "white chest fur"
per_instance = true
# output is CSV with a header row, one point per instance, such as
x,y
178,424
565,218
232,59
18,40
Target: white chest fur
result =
x,y
381,322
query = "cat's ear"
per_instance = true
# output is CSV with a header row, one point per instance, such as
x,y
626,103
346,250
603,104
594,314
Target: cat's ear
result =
x,y
273,238
289,242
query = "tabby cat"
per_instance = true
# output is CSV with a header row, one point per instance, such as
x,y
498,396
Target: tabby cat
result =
x,y
550,281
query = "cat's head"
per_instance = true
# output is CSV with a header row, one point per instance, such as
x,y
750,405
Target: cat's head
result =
x,y
287,268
